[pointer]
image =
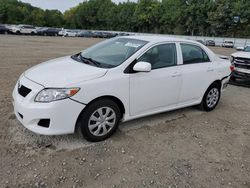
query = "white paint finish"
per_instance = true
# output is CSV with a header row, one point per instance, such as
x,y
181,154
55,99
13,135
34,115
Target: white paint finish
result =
x,y
195,79
153,90
141,93
142,67
62,114
63,72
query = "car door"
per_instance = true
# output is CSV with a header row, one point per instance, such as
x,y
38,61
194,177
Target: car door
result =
x,y
25,30
159,88
197,72
22,30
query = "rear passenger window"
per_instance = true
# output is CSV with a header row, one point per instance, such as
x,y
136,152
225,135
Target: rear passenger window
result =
x,y
193,54
163,55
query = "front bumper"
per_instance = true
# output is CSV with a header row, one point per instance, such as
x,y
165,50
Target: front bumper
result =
x,y
241,76
62,114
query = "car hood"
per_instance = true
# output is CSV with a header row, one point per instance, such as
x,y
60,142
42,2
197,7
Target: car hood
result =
x,y
63,72
242,54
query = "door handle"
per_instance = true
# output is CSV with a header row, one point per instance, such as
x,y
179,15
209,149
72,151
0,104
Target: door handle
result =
x,y
210,69
176,74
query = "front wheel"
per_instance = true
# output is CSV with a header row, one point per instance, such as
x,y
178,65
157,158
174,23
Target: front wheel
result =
x,y
99,120
211,97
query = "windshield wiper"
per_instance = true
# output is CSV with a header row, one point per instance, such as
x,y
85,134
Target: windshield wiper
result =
x,y
90,61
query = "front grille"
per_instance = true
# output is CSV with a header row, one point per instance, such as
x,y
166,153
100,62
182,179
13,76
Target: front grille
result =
x,y
242,60
23,91
242,66
243,63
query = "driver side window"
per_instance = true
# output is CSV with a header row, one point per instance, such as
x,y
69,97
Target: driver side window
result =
x,y
160,56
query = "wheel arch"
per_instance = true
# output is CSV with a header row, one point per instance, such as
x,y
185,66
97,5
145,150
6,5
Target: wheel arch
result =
x,y
217,82
110,97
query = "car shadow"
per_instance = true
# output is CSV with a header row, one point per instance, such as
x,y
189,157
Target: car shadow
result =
x,y
165,117
20,135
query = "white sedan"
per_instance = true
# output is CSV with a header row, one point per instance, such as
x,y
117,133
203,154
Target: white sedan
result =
x,y
118,80
68,33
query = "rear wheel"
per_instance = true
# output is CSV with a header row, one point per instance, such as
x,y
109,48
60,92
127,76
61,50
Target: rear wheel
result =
x,y
99,120
211,97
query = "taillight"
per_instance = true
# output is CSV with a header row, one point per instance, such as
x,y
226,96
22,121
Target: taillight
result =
x,y
232,68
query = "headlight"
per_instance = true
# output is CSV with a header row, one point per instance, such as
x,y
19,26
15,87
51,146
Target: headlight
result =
x,y
49,95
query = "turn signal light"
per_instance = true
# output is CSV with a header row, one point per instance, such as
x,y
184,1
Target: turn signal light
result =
x,y
73,91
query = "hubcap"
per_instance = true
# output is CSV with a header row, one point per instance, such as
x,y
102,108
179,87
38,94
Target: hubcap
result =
x,y
102,121
212,97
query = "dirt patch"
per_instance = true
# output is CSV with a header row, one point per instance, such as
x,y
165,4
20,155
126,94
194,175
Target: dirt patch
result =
x,y
183,148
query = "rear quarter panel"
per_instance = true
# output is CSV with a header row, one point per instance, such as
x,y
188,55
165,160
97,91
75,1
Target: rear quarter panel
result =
x,y
223,68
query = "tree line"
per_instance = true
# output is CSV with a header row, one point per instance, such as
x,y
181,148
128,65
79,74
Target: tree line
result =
x,y
228,18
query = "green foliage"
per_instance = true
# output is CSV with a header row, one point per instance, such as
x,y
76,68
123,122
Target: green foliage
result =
x,y
16,12
187,17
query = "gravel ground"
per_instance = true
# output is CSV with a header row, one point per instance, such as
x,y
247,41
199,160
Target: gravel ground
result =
x,y
183,148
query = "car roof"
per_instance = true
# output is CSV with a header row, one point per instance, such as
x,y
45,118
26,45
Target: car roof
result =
x,y
156,39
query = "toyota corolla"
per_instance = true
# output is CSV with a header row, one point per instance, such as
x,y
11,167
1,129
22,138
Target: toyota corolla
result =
x,y
118,80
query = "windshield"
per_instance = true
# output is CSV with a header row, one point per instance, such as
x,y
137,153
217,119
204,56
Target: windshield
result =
x,y
247,49
113,52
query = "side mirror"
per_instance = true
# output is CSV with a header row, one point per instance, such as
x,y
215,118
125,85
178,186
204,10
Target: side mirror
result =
x,y
142,66
239,48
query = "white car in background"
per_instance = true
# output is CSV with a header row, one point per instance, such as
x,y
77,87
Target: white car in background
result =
x,y
68,33
119,79
241,61
24,29
228,44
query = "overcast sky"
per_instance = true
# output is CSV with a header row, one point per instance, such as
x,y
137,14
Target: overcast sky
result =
x,y
61,5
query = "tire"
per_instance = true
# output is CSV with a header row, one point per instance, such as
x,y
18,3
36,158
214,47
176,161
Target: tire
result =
x,y
108,120
211,98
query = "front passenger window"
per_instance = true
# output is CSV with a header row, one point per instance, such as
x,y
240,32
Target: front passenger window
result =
x,y
163,55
